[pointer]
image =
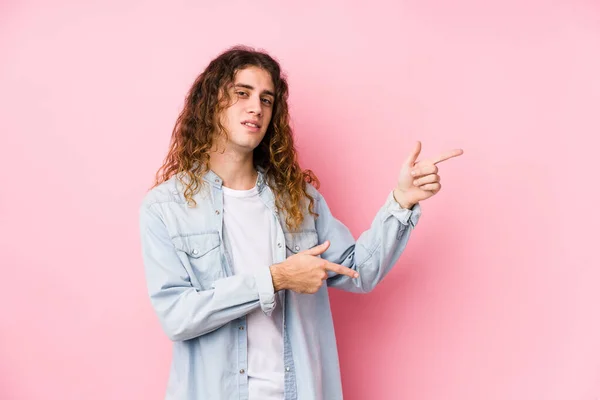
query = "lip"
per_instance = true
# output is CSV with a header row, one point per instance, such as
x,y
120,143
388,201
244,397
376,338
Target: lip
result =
x,y
251,128
252,121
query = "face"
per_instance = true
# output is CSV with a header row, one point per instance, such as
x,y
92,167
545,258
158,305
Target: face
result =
x,y
249,115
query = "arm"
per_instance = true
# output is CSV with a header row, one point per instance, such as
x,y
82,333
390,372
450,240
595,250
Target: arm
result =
x,y
377,249
185,312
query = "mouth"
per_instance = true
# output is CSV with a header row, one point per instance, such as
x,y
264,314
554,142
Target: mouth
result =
x,y
251,124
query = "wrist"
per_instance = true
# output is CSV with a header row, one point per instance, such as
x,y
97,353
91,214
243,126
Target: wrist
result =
x,y
277,277
398,196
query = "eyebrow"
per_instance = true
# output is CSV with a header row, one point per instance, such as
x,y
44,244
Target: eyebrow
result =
x,y
243,85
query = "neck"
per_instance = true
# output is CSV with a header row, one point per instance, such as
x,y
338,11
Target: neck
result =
x,y
236,170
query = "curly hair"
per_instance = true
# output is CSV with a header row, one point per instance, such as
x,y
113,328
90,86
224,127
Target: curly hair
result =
x,y
198,124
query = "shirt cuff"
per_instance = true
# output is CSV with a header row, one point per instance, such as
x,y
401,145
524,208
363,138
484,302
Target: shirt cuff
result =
x,y
405,216
266,291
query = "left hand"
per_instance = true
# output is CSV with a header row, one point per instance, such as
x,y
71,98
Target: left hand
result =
x,y
419,180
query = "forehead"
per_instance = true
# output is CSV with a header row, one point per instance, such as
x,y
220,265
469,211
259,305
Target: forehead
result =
x,y
259,78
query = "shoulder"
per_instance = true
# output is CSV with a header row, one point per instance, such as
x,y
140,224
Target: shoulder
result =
x,y
313,192
169,191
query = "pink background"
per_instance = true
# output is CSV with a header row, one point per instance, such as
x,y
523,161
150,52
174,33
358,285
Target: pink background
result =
x,y
497,296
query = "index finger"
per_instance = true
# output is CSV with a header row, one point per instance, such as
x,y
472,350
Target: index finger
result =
x,y
447,155
340,269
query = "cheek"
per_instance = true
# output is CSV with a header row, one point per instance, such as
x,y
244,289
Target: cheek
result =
x,y
229,117
268,115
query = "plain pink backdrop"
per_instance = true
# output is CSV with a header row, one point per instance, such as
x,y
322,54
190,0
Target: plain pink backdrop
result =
x,y
497,295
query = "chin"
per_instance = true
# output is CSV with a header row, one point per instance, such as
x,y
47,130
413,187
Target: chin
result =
x,y
248,141
245,146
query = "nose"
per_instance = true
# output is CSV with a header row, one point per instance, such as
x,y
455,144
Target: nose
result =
x,y
255,106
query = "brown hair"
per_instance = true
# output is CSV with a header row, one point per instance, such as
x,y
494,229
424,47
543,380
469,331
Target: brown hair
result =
x,y
197,125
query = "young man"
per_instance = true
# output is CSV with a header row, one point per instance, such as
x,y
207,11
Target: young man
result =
x,y
239,247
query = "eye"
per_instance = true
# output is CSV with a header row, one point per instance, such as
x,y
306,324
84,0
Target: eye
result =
x,y
241,93
267,101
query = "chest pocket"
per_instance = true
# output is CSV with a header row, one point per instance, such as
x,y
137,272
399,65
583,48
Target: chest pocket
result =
x,y
298,241
202,254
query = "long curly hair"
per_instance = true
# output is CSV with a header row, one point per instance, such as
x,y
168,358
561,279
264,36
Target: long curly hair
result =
x,y
198,124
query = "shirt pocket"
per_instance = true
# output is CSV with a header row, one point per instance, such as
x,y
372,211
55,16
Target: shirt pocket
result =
x,y
299,241
203,256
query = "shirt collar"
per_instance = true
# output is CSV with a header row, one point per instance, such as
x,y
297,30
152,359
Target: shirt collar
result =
x,y
215,180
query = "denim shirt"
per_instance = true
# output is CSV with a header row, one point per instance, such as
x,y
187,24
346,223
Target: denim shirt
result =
x,y
202,306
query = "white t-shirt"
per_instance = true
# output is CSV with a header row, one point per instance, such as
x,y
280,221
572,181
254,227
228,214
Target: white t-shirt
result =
x,y
248,229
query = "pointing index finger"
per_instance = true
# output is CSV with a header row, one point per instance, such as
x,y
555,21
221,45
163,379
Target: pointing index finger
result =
x,y
447,155
340,269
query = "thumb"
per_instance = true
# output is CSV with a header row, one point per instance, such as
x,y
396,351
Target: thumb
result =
x,y
318,249
412,158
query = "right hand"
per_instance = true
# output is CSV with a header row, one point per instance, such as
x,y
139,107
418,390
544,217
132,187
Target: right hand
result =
x,y
305,272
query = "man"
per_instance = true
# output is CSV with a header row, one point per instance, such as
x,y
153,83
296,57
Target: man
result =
x,y
239,247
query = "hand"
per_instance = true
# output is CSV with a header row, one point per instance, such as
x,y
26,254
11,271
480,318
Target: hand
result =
x,y
419,180
305,272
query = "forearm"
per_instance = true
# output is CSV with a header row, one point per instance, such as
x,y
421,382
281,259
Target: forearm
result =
x,y
185,312
377,249
183,309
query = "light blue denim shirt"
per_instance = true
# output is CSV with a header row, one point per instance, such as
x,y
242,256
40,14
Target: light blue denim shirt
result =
x,y
202,306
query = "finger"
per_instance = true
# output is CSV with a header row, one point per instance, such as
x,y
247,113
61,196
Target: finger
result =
x,y
318,249
340,269
410,161
431,187
427,179
424,169
447,155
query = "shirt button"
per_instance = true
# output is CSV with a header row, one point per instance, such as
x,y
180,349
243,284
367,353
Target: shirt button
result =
x,y
242,371
287,369
297,248
241,328
217,212
217,180
279,245
195,251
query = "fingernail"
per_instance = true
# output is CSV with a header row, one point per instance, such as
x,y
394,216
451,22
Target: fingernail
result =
x,y
356,275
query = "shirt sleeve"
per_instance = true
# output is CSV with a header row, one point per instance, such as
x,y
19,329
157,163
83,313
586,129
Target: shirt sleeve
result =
x,y
376,250
184,311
